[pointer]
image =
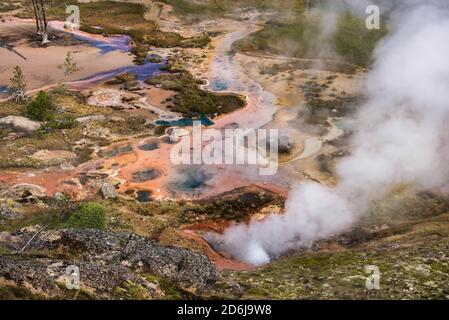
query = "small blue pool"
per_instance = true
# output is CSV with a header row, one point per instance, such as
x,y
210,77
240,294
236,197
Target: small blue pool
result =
x,y
4,89
218,85
184,122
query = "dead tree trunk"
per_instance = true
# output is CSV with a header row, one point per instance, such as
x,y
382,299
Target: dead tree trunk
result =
x,y
10,48
35,15
41,20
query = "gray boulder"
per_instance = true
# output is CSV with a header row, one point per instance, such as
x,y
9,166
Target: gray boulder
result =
x,y
20,123
46,279
285,144
24,191
185,267
8,213
108,191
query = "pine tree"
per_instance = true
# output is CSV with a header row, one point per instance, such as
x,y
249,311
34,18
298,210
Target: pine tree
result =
x,y
18,84
41,108
69,66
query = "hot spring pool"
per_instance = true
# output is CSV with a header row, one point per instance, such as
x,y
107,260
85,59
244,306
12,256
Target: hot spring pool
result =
x,y
184,122
144,196
4,89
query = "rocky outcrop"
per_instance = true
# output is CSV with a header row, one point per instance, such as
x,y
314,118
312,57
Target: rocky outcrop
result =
x,y
188,268
108,191
24,192
105,259
113,98
49,279
20,123
286,144
92,118
8,213
53,157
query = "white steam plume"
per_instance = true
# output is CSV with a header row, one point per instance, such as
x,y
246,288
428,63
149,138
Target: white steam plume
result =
x,y
402,136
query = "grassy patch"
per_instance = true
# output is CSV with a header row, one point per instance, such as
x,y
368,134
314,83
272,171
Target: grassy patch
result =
x,y
132,291
342,275
191,100
10,108
130,125
195,9
303,38
354,41
219,8
6,7
52,217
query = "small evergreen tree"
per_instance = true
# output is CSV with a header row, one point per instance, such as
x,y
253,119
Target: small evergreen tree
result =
x,y
41,108
69,66
18,84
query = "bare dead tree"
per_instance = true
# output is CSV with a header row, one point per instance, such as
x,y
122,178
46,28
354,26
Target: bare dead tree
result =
x,y
10,48
35,15
41,20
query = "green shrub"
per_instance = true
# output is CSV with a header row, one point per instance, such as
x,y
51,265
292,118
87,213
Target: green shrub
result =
x,y
90,215
59,124
41,108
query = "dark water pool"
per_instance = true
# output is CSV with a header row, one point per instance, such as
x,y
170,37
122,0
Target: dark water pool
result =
x,y
116,151
191,179
146,175
143,196
149,145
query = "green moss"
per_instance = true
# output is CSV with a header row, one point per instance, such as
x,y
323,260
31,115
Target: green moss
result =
x,y
190,99
17,293
90,215
132,291
171,291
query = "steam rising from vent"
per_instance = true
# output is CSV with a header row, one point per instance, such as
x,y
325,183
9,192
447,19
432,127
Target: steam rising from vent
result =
x,y
402,136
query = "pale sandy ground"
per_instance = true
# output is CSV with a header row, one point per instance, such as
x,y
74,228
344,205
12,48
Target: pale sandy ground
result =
x,y
41,67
